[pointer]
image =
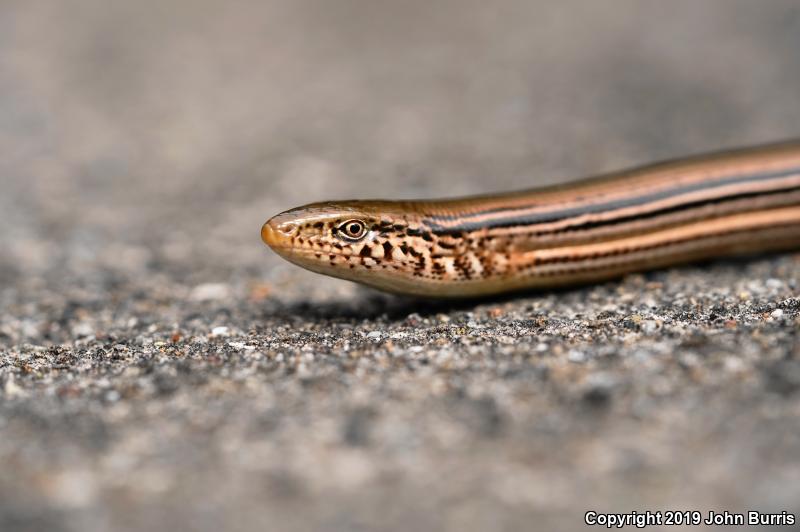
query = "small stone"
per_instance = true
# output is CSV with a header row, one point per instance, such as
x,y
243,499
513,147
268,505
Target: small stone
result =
x,y
375,335
112,396
734,364
576,356
220,331
82,329
11,389
260,292
774,284
495,312
599,391
210,292
777,314
650,326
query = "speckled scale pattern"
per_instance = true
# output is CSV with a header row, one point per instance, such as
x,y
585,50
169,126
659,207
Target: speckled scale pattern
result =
x,y
408,246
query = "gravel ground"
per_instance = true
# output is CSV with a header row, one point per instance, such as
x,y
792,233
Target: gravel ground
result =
x,y
161,369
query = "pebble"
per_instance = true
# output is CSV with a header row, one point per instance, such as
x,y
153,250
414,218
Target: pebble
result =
x,y
11,389
210,292
220,331
83,329
775,284
576,356
650,326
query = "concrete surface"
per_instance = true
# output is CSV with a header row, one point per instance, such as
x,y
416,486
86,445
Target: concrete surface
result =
x,y
160,369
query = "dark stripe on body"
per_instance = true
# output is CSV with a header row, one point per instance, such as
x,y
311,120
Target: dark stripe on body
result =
x,y
559,216
439,224
588,260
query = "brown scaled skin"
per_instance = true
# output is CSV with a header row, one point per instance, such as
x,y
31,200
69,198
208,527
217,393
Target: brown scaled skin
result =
x,y
396,252
713,206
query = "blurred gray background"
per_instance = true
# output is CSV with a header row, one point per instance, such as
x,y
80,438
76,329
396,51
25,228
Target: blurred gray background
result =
x,y
143,144
169,131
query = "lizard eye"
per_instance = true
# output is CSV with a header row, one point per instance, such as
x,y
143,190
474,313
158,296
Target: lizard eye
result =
x,y
352,230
